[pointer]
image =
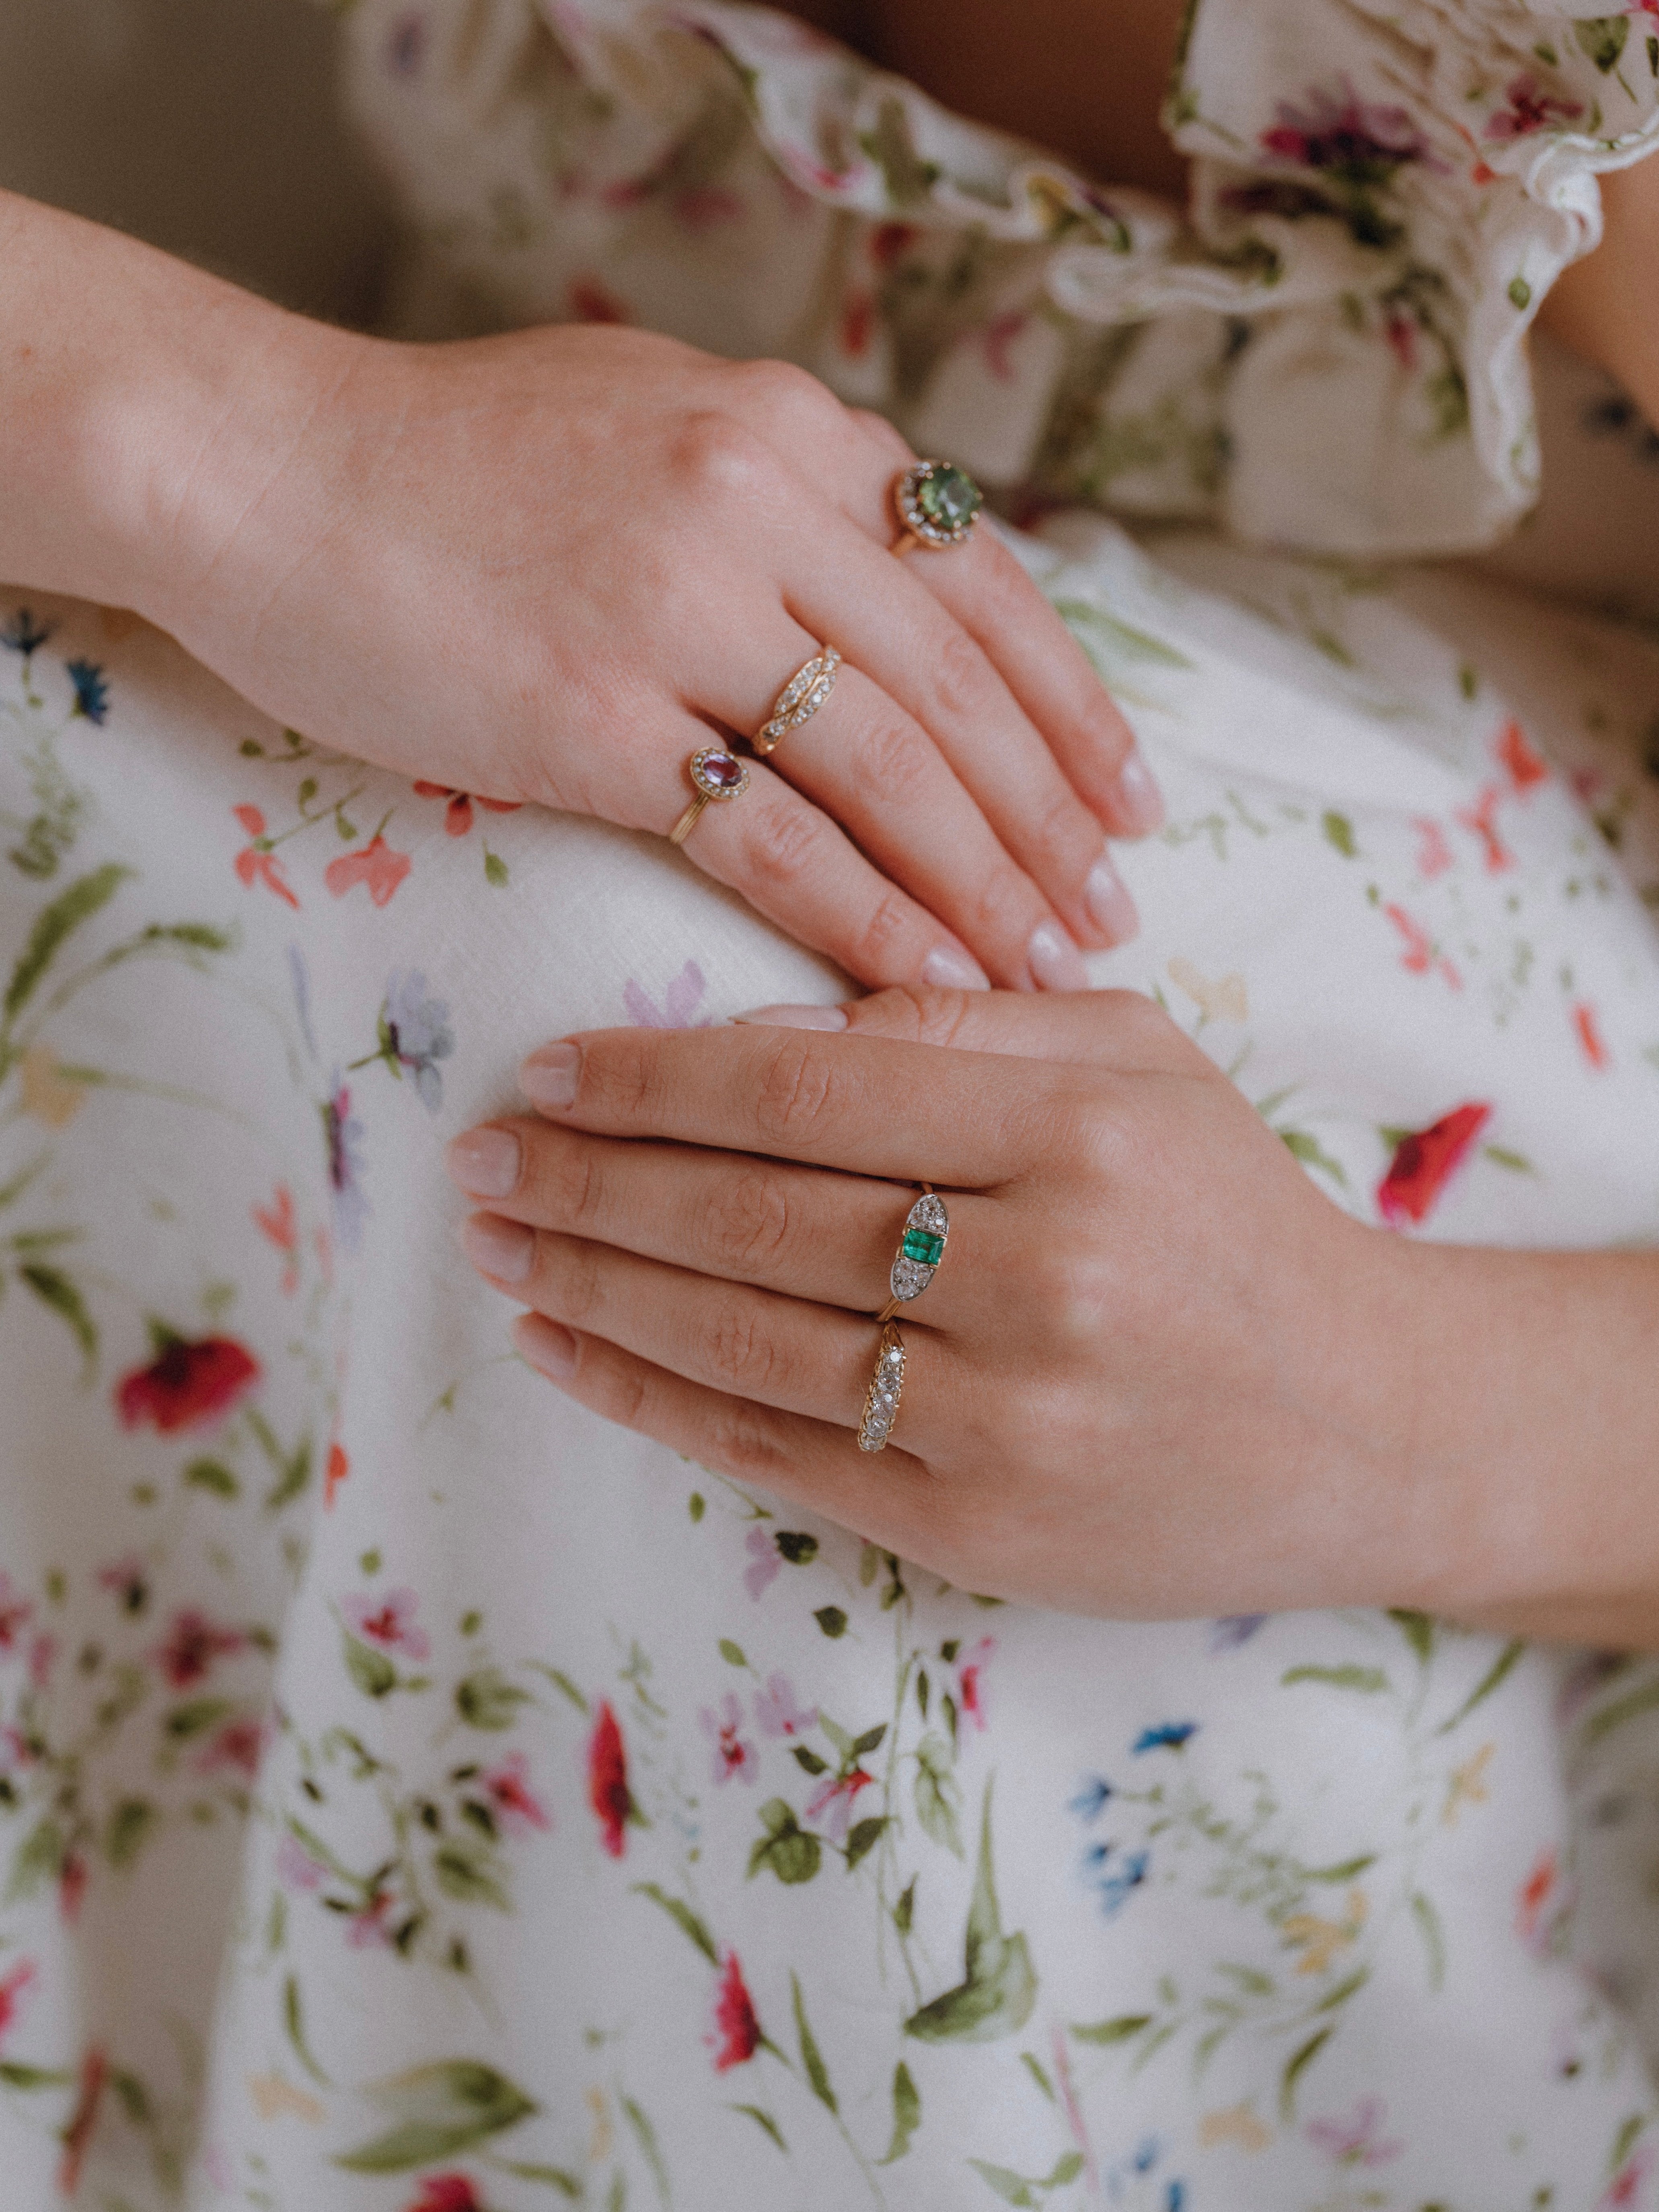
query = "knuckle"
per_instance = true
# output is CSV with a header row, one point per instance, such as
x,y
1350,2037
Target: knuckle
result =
x,y
961,677
748,1224
869,946
892,763
743,1441
1005,907
891,442
780,390
797,1093
572,1278
621,1082
1067,839
785,842
736,1351
1102,725
915,1013
568,1186
719,457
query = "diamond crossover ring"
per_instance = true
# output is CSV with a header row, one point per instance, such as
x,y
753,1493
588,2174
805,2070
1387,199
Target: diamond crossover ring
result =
x,y
881,1404
937,505
799,699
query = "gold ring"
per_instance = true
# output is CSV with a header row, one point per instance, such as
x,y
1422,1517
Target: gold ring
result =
x,y
881,1403
927,1227
718,774
937,505
799,699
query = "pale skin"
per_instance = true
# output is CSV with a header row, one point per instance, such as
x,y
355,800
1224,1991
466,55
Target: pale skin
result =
x,y
1161,1374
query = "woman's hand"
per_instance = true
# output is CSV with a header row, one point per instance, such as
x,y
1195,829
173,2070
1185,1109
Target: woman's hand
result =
x,y
1156,1374
550,566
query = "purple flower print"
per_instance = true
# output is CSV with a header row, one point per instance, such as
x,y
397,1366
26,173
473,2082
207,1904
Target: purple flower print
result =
x,y
22,633
832,1802
295,1867
388,1621
1234,1629
764,1565
342,1137
777,1713
1354,138
415,1034
514,1803
679,1002
733,1755
1352,2140
1530,108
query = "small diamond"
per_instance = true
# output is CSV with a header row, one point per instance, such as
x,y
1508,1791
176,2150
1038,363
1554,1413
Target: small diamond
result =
x,y
928,1212
908,1281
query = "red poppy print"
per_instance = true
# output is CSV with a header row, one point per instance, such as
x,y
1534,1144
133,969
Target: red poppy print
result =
x,y
458,817
737,2032
1541,1903
1524,767
378,867
1422,956
193,1644
188,1385
256,863
447,2192
12,1986
1434,854
890,242
1591,1042
1624,2192
1424,1161
335,1473
15,1613
607,1781
1482,819
970,1682
277,1224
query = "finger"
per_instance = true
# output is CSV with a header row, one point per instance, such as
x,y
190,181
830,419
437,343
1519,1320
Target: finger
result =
x,y
892,628
781,1351
1123,1030
792,863
967,1120
876,771
886,1498
826,1237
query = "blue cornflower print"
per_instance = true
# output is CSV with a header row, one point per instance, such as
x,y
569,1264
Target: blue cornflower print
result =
x,y
22,633
91,692
1093,1794
1168,1736
1115,1890
415,1034
1096,1855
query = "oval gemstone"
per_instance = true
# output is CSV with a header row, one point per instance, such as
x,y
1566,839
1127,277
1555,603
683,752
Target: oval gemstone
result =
x,y
949,497
720,769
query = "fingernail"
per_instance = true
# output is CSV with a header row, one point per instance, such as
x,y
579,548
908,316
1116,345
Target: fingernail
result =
x,y
1055,962
1139,801
796,1017
547,1345
1110,903
485,1162
548,1078
498,1247
950,970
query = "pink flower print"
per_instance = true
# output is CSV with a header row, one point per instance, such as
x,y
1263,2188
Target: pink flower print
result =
x,y
1482,819
737,2031
193,1644
457,816
295,1867
705,207
777,1713
1624,2191
1524,766
1421,956
1530,108
128,1578
1401,331
590,302
1337,131
379,867
999,335
388,1621
679,1002
256,864
970,1687
1588,1030
857,323
43,1657
365,1927
890,242
1541,1903
1353,2141
1423,1163
764,1565
12,1986
16,1750
15,1613
78,2135
447,2192
513,1803
831,1803
277,1224
1434,854
238,1745
71,1887
734,1756
608,1792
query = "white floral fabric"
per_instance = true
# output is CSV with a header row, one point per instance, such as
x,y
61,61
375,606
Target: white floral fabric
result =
x,y
1328,351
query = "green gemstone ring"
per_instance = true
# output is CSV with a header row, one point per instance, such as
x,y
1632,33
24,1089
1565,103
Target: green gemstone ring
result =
x,y
920,1249
938,504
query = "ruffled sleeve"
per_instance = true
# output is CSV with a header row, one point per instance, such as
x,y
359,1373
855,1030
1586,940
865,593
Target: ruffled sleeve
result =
x,y
1421,174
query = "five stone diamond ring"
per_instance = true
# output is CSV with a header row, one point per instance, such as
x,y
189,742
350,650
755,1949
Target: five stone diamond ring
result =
x,y
920,1249
799,699
937,505
881,1404
717,775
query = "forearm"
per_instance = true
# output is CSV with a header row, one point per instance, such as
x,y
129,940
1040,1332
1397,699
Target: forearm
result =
x,y
128,381
1524,1396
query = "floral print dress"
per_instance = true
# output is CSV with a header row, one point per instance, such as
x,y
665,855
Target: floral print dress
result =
x,y
417,1796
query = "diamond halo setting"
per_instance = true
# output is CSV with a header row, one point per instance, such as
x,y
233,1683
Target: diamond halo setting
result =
x,y
937,503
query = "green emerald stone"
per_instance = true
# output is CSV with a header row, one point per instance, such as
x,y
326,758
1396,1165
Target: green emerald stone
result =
x,y
923,1248
949,497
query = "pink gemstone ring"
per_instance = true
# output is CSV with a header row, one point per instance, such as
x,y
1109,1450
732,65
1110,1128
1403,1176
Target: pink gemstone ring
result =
x,y
717,775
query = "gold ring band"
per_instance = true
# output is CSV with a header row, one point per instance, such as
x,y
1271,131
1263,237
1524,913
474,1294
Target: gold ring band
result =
x,y
717,775
799,699
921,1248
881,1402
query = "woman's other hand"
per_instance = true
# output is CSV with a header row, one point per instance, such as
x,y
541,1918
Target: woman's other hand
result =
x,y
552,565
